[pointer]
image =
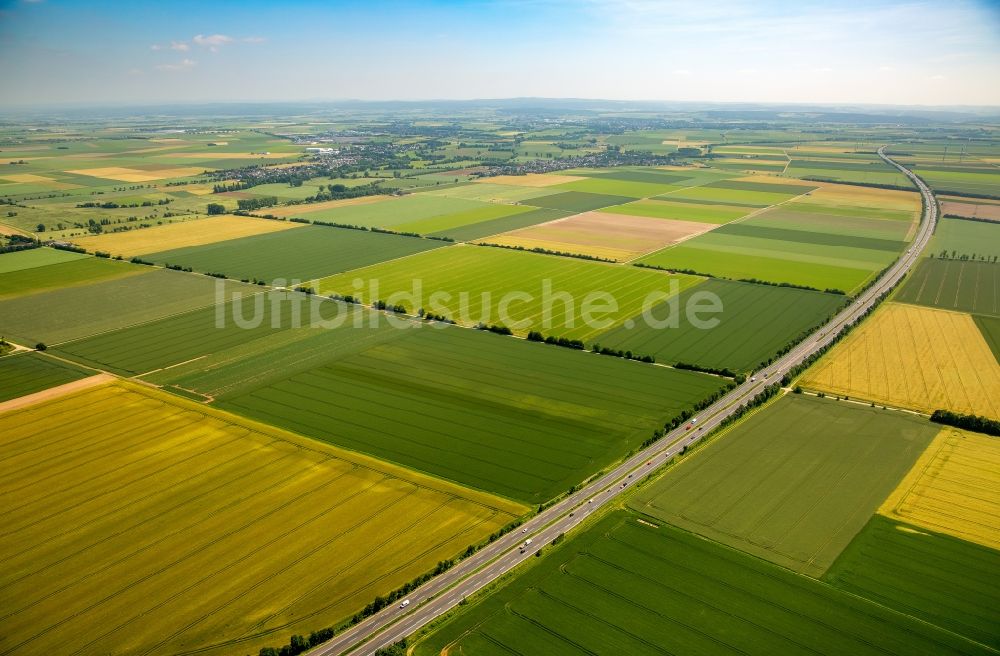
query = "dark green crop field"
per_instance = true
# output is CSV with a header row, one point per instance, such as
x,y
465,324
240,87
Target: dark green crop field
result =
x,y
938,578
577,201
954,285
27,373
628,587
794,483
502,224
520,419
810,237
755,322
302,254
62,274
990,328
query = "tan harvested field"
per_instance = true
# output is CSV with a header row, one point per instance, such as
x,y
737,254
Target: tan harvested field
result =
x,y
532,179
181,235
914,357
612,236
124,174
988,211
304,210
954,488
136,522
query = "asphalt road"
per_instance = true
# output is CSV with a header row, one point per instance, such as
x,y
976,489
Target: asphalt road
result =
x,y
447,590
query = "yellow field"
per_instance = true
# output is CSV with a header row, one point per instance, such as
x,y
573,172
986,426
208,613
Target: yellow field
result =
x,y
303,210
138,522
954,488
25,177
836,194
532,179
914,357
137,175
181,235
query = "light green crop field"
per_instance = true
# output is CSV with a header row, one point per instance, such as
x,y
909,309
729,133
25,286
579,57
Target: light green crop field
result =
x,y
983,181
502,224
795,482
812,219
616,187
445,223
940,579
755,322
631,586
973,239
302,254
519,419
70,313
67,273
489,192
741,196
472,284
664,209
29,372
738,258
138,522
35,257
392,212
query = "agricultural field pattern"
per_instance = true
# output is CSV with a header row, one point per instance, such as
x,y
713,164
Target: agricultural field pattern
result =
x,y
506,377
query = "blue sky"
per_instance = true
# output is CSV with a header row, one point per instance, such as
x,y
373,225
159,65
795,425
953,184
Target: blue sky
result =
x,y
909,52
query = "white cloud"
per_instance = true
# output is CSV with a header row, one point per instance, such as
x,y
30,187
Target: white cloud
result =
x,y
156,46
179,46
182,65
213,41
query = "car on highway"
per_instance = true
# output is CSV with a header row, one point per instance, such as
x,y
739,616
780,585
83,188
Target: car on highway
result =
x,y
406,602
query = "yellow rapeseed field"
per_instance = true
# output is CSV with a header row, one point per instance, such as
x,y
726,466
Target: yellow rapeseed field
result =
x,y
914,357
135,521
954,488
181,235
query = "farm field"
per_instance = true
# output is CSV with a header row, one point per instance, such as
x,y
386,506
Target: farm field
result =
x,y
870,170
391,212
838,222
913,357
490,192
64,274
957,285
756,321
665,209
576,201
745,258
519,419
972,239
35,257
990,328
303,254
616,186
68,313
181,235
792,484
967,180
536,180
628,587
29,372
604,235
503,224
749,197
978,209
142,522
931,576
469,283
954,489
443,225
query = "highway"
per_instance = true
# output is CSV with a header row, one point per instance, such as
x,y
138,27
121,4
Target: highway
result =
x,y
444,592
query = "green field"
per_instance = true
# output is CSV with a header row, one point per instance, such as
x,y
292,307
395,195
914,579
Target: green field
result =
x,y
393,212
969,181
576,201
973,239
488,191
138,522
747,197
647,175
302,254
70,313
756,321
626,587
664,209
67,273
503,224
27,373
954,285
443,225
472,284
940,579
617,187
795,482
990,328
522,420
831,220
35,257
729,256
775,188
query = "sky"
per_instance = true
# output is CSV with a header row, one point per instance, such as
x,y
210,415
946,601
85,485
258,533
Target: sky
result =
x,y
851,52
